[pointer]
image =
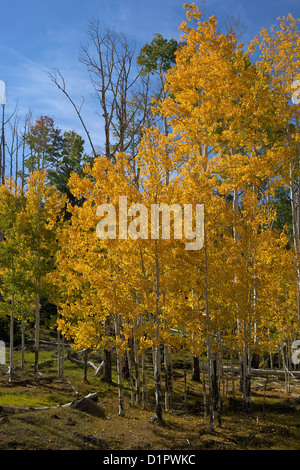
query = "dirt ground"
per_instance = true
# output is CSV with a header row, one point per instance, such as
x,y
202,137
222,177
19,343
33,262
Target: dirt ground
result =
x,y
273,425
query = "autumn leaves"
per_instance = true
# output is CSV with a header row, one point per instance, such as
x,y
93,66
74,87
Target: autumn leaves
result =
x,y
232,141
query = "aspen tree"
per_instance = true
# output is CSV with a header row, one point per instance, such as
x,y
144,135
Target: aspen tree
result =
x,y
220,152
10,254
37,233
280,61
218,101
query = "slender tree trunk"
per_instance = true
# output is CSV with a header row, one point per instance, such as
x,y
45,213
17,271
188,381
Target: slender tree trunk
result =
x,y
157,353
216,386
204,391
120,385
248,398
294,196
125,369
209,351
296,230
246,379
184,381
17,160
137,372
62,366
107,371
58,355
11,342
242,364
2,146
130,377
85,364
37,332
286,373
157,380
119,370
232,376
144,382
22,341
168,376
196,369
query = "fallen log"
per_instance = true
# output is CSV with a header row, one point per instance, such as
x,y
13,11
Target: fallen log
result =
x,y
49,361
277,372
89,363
5,409
51,343
99,368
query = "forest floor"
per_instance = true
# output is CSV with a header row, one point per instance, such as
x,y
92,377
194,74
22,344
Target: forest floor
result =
x,y
274,424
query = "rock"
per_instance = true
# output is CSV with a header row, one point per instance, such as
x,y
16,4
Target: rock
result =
x,y
89,406
70,421
92,440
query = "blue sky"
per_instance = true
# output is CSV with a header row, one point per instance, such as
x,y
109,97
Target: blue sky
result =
x,y
37,35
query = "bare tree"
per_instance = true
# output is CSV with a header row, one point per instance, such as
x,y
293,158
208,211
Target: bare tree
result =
x,y
13,149
23,139
109,58
3,143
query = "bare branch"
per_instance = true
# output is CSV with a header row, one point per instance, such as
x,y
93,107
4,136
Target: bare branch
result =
x,y
57,78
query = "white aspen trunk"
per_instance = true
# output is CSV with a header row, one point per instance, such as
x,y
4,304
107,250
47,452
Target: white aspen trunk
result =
x,y
232,375
209,353
285,369
184,379
168,376
120,370
144,382
226,386
85,364
204,391
145,391
246,370
37,332
218,379
137,377
11,339
157,379
222,379
120,385
157,353
236,237
216,386
295,213
244,355
22,341
247,381
137,368
58,355
296,245
106,376
63,357
130,377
